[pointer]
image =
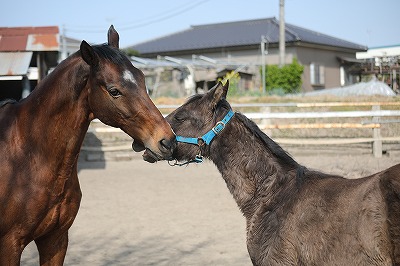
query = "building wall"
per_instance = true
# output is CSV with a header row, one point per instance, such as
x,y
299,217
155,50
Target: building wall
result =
x,y
251,56
325,58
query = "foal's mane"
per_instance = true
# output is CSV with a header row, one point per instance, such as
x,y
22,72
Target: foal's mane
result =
x,y
193,98
271,145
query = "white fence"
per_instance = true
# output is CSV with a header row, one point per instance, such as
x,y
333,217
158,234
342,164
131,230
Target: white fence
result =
x,y
374,115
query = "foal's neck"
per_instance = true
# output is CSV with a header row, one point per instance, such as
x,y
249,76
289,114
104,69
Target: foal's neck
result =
x,y
254,173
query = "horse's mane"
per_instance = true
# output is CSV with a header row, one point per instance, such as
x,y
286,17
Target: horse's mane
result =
x,y
271,145
110,53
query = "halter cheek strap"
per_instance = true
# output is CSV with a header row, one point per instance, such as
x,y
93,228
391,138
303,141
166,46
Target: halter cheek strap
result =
x,y
203,140
209,136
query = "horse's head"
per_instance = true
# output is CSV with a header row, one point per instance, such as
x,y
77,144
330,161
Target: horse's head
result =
x,y
117,96
197,117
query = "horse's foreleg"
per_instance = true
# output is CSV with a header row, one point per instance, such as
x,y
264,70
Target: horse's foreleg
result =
x,y
52,249
10,252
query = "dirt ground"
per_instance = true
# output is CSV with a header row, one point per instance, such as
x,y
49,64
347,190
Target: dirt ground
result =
x,y
135,213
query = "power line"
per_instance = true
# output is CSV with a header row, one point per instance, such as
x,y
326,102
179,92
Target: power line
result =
x,y
177,13
167,15
88,27
164,13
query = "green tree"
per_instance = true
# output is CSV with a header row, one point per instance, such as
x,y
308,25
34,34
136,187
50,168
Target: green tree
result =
x,y
286,78
131,52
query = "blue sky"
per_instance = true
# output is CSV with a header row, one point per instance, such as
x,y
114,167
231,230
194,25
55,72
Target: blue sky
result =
x,y
367,22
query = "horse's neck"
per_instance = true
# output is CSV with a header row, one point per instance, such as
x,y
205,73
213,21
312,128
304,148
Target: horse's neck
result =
x,y
57,110
253,174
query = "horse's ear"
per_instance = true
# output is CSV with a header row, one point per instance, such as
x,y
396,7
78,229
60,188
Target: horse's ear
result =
x,y
113,37
88,54
219,92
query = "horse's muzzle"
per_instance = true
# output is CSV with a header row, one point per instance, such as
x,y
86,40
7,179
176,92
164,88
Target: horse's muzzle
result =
x,y
167,147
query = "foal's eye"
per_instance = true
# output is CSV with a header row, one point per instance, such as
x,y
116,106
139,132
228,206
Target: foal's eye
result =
x,y
179,118
114,92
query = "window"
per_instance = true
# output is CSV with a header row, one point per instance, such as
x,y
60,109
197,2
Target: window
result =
x,y
317,74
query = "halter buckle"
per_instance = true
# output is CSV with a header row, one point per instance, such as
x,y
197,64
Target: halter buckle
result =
x,y
218,127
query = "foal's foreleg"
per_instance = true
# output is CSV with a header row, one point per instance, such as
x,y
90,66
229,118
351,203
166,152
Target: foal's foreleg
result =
x,y
52,249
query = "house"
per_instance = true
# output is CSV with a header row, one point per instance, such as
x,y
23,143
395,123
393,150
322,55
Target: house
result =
x,y
69,46
240,43
27,55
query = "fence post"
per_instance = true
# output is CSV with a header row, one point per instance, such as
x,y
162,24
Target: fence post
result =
x,y
266,121
377,144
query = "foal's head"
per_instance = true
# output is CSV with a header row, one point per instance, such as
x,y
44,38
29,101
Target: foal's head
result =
x,y
198,116
117,96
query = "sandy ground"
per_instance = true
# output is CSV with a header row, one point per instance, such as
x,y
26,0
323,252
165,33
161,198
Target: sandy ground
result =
x,y
135,213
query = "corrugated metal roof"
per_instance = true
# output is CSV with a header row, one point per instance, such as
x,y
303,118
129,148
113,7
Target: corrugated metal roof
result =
x,y
387,51
240,33
29,39
14,63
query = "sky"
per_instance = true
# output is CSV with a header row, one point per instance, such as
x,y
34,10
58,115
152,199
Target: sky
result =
x,y
373,23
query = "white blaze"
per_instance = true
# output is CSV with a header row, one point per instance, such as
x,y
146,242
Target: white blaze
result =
x,y
129,77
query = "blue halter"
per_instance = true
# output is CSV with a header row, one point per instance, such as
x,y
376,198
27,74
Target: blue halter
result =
x,y
205,139
209,136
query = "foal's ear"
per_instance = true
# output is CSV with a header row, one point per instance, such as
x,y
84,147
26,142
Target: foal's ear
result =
x,y
219,92
88,54
113,37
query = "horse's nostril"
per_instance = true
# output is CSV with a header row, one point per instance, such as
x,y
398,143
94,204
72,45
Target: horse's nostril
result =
x,y
167,144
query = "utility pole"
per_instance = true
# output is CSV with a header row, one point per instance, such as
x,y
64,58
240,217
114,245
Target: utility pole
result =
x,y
281,33
64,44
264,51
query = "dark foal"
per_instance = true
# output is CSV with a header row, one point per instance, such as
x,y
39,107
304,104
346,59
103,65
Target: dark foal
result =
x,y
41,136
295,216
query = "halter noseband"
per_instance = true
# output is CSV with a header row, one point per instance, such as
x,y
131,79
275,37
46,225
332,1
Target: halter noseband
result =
x,y
206,138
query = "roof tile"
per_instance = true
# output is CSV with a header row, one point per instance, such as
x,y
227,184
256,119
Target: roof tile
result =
x,y
239,33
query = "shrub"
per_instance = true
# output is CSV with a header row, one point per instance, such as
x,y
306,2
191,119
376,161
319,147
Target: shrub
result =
x,y
286,78
234,79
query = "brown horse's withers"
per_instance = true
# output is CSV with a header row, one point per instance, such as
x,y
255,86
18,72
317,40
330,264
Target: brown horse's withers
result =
x,y
295,216
41,136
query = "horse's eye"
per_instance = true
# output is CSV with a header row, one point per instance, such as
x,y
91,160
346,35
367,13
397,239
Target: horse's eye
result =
x,y
114,92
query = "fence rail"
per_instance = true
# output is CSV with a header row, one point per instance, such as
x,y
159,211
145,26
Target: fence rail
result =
x,y
300,105
342,114
264,117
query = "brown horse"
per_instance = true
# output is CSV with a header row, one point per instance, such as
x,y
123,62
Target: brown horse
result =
x,y
295,216
41,136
